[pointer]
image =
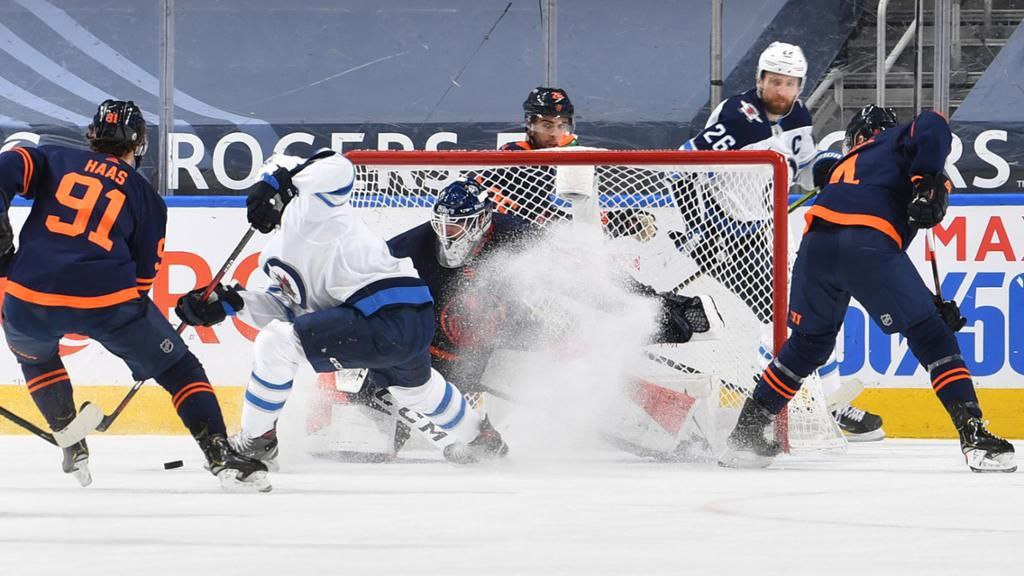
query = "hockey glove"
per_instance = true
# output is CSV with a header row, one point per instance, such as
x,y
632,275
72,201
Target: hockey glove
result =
x,y
930,200
950,313
823,164
224,301
683,315
266,202
6,243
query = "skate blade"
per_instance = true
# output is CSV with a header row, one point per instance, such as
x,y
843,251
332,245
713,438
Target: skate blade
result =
x,y
82,474
741,459
873,436
88,418
979,461
255,482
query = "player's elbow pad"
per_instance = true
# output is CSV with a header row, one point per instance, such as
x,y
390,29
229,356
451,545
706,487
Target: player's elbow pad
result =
x,y
822,166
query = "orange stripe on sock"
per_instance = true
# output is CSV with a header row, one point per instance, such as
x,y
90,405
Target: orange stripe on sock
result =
x,y
954,376
935,381
777,385
45,383
193,388
33,381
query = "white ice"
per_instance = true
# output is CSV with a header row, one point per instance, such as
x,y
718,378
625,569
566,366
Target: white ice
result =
x,y
895,507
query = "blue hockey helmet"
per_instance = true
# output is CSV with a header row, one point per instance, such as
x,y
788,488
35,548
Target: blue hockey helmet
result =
x,y
869,121
461,216
118,128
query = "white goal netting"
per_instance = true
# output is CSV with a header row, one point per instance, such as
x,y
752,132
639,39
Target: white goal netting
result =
x,y
693,222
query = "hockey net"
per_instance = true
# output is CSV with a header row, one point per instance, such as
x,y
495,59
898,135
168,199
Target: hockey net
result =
x,y
693,222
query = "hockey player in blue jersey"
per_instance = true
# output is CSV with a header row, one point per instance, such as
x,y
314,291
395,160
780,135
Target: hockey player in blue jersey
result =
x,y
889,185
339,298
87,257
769,116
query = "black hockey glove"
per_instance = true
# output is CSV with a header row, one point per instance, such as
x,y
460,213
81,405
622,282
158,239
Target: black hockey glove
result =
x,y
684,315
931,198
950,313
267,200
823,165
6,243
223,301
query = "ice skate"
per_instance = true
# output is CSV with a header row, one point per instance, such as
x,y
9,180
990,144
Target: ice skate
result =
x,y
983,451
236,473
76,462
487,445
262,447
859,425
748,445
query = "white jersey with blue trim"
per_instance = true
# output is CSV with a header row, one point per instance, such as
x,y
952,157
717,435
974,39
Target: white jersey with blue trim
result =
x,y
741,123
324,252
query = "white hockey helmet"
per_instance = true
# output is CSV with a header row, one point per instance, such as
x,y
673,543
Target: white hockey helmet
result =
x,y
782,58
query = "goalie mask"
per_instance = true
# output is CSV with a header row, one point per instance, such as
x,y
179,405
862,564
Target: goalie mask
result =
x,y
461,217
869,121
118,128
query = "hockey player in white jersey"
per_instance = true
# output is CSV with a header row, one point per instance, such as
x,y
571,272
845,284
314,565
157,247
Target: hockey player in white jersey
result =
x,y
769,116
338,299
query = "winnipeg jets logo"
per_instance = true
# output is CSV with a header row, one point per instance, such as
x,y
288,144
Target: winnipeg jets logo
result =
x,y
751,113
287,279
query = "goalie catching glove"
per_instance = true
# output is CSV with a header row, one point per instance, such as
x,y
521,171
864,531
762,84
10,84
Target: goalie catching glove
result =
x,y
266,202
223,301
688,317
930,200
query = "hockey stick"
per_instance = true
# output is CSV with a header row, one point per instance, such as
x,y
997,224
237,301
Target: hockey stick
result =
x,y
802,200
109,419
27,425
929,243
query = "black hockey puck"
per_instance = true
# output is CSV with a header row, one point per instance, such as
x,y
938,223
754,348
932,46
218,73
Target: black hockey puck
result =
x,y
173,464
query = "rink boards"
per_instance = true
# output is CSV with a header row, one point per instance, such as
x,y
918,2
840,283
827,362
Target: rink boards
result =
x,y
980,249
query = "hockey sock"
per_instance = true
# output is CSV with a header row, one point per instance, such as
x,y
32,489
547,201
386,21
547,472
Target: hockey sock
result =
x,y
50,387
935,346
443,403
799,356
277,353
192,396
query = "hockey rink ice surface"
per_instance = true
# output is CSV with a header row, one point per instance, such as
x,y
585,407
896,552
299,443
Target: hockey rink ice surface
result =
x,y
894,507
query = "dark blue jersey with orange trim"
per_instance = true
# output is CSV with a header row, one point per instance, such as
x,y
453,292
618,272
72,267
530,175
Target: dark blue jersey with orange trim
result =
x,y
871,186
94,235
457,343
